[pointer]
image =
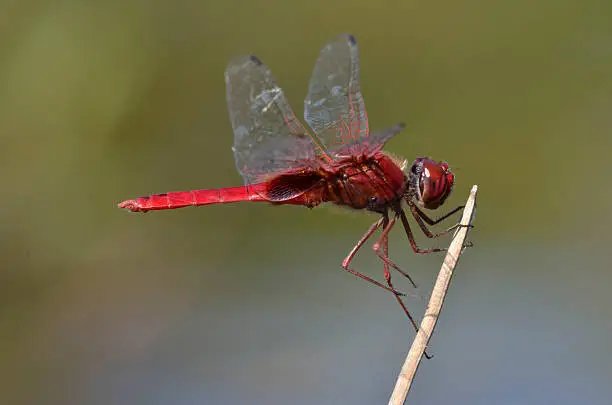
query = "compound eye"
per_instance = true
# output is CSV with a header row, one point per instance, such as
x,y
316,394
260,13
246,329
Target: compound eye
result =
x,y
435,184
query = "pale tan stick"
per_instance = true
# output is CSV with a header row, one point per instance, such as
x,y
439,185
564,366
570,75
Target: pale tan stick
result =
x,y
404,381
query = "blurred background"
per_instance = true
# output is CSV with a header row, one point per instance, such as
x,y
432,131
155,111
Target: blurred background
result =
x,y
247,303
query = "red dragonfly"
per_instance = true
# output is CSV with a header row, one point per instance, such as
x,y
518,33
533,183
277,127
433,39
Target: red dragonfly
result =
x,y
339,162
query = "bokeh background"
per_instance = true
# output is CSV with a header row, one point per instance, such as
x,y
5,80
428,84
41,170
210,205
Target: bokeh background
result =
x,y
247,303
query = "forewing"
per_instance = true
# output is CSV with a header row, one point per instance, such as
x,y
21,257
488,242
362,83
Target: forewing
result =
x,y
334,107
268,138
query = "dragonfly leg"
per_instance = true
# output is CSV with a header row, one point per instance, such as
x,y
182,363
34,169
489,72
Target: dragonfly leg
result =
x,y
349,258
436,221
384,242
384,237
410,236
422,218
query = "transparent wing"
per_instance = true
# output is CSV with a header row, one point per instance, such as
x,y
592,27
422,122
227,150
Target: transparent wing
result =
x,y
334,107
376,140
268,138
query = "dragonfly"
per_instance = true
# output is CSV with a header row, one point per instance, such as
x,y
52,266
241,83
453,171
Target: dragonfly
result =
x,y
339,161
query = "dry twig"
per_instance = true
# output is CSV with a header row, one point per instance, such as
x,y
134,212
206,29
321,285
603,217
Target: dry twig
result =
x,y
404,381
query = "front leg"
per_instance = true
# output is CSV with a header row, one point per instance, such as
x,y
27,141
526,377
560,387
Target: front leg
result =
x,y
410,236
432,222
420,216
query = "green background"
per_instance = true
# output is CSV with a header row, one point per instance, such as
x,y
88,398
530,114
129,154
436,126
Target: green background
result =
x,y
247,303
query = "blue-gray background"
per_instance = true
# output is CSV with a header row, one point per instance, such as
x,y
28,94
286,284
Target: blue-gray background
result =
x,y
247,304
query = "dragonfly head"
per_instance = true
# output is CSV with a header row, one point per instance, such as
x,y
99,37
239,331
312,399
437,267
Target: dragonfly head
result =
x,y
430,182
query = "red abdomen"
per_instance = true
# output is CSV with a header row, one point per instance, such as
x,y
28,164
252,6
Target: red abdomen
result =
x,y
180,199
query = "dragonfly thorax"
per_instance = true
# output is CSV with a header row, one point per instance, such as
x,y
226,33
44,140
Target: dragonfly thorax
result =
x,y
372,183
